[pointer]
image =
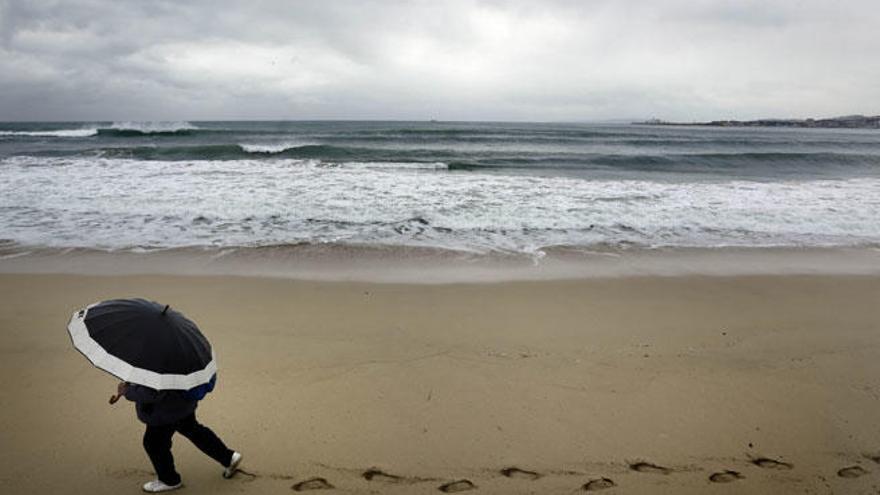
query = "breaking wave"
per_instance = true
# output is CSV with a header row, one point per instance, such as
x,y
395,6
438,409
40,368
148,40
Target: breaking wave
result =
x,y
118,129
133,129
272,148
251,202
65,133
325,153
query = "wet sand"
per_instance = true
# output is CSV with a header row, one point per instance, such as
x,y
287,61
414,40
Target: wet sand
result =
x,y
684,385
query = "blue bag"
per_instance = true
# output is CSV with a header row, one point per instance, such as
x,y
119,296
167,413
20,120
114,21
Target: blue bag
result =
x,y
199,393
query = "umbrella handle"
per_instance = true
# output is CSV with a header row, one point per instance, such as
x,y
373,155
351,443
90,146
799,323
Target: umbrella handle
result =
x,y
120,391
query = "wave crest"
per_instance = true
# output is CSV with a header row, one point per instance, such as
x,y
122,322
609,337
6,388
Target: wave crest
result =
x,y
271,148
397,165
153,127
159,128
72,133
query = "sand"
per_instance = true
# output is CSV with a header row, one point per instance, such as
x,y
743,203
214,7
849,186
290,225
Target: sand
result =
x,y
684,384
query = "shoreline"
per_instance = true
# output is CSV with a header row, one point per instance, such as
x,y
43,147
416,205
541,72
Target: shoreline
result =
x,y
395,264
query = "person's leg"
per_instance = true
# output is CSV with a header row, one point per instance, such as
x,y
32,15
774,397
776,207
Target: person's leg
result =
x,y
205,439
157,443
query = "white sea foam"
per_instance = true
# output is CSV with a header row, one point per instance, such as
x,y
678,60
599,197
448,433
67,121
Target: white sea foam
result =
x,y
397,165
156,204
64,133
153,127
271,148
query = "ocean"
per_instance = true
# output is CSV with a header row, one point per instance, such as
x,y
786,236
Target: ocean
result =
x,y
473,187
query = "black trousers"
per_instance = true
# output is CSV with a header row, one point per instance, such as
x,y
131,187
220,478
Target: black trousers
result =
x,y
157,443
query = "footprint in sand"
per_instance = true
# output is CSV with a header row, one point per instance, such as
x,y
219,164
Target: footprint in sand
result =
x,y
522,474
599,484
312,484
457,486
725,476
647,467
374,474
765,463
851,472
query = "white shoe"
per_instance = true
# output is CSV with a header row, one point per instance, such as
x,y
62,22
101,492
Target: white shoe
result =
x,y
233,465
157,486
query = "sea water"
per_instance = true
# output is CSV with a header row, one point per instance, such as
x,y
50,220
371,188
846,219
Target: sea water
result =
x,y
476,187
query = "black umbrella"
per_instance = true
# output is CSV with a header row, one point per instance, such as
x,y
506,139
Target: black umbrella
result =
x,y
144,342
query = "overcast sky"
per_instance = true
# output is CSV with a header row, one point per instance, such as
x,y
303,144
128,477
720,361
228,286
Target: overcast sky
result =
x,y
449,60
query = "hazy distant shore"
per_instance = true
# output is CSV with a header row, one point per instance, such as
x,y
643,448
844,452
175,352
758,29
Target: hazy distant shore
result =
x,y
846,122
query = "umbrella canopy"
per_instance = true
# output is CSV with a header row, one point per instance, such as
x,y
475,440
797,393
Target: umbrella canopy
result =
x,y
144,342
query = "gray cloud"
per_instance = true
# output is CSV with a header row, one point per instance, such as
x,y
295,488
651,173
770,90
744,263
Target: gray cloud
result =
x,y
459,59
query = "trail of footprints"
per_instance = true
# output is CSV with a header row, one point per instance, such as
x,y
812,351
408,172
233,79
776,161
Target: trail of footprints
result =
x,y
375,475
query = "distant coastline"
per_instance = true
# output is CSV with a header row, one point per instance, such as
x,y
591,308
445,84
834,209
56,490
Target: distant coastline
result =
x,y
845,122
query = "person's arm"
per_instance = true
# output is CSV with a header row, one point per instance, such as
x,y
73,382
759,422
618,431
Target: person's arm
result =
x,y
140,393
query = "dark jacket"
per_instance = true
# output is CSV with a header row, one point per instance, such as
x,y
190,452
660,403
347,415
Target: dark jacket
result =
x,y
159,407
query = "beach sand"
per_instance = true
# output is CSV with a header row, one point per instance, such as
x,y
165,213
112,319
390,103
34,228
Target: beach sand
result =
x,y
573,380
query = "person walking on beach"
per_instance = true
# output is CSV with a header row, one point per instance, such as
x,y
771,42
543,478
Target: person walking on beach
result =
x,y
166,366
166,412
